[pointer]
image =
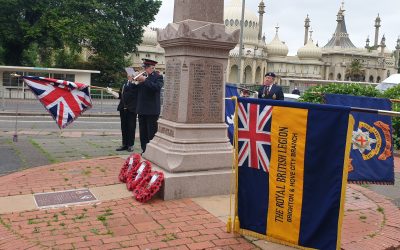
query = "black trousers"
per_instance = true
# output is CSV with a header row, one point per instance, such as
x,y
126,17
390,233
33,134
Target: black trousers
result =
x,y
148,128
128,127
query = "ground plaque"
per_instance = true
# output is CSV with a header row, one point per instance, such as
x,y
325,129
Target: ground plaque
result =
x,y
63,198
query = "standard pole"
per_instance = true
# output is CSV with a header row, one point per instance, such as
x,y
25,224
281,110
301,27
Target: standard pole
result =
x,y
241,43
101,98
3,93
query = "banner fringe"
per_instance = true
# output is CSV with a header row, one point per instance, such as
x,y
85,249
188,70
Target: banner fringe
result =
x,y
229,225
371,182
246,232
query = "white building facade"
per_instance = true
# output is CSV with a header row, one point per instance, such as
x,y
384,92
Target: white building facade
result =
x,y
330,62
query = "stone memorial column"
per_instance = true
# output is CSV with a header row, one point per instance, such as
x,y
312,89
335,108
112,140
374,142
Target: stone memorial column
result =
x,y
191,145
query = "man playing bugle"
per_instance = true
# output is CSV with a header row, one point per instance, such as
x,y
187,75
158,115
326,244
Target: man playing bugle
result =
x,y
149,105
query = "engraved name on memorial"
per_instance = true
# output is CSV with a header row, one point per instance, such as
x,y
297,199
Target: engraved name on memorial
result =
x,y
171,90
205,92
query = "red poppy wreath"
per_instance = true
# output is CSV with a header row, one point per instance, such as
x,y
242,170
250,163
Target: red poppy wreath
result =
x,y
141,170
129,164
148,186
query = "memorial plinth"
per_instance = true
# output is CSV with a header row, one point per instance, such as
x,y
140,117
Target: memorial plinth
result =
x,y
191,144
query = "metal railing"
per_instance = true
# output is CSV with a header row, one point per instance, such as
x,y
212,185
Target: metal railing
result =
x,y
100,98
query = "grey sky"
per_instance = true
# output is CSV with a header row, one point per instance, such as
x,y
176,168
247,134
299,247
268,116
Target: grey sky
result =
x,y
290,14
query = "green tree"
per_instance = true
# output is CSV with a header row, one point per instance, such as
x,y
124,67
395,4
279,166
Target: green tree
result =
x,y
109,28
355,71
394,93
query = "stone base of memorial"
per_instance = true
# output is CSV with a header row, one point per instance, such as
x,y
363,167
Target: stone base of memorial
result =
x,y
193,165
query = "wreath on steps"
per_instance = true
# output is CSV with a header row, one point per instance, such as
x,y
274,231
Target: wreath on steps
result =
x,y
136,174
148,186
129,164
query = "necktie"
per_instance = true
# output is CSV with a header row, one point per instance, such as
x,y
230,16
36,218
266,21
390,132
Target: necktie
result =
x,y
267,90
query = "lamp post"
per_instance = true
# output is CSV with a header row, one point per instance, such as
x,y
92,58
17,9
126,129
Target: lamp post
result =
x,y
241,43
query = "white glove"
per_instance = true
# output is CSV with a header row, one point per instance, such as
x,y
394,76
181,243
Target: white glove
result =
x,y
111,92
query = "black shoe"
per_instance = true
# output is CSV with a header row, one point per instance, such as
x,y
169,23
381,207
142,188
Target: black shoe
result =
x,y
129,149
122,148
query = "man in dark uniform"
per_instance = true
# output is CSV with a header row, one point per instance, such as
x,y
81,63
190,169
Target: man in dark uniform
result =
x,y
127,111
149,105
296,91
270,90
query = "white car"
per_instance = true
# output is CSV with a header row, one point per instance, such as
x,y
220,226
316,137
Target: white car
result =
x,y
291,97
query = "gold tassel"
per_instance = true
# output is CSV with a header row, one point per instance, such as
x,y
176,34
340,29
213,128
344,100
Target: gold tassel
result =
x,y
236,227
229,225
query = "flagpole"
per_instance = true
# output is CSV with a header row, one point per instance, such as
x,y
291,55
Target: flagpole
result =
x,y
376,111
91,86
253,91
98,87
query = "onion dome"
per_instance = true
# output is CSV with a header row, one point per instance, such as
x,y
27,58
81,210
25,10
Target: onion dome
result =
x,y
309,51
276,47
149,37
232,17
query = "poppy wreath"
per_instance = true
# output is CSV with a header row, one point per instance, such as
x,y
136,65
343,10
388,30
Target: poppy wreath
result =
x,y
129,164
136,174
149,186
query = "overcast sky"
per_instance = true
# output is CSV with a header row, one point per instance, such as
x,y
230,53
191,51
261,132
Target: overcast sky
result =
x,y
290,14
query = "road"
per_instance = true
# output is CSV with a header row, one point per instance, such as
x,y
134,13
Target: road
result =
x,y
46,123
33,105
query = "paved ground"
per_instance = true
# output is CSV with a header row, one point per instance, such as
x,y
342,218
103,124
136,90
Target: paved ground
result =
x,y
37,148
88,160
118,221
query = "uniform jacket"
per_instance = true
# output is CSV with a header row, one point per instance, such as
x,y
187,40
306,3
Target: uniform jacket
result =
x,y
128,95
149,95
274,90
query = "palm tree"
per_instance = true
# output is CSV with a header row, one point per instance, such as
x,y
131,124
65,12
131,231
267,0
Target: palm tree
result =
x,y
355,71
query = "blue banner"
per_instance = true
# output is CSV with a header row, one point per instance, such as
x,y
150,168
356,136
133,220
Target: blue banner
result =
x,y
230,90
371,157
292,160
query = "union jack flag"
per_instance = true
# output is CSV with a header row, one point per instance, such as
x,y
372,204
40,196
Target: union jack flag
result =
x,y
64,100
254,135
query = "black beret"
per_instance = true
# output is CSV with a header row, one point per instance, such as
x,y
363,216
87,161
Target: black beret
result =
x,y
271,74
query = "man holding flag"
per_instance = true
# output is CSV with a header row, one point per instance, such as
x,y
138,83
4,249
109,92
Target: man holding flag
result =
x,y
127,111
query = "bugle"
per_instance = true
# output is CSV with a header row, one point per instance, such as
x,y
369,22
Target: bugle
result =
x,y
142,73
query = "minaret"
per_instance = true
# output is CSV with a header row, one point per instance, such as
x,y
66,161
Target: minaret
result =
x,y
383,44
398,43
367,43
377,25
306,26
397,54
261,12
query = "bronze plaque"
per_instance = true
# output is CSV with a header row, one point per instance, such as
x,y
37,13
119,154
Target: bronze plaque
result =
x,y
63,198
205,92
171,90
